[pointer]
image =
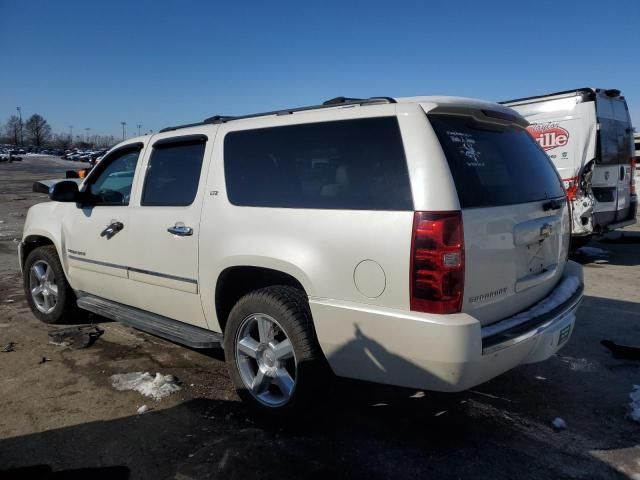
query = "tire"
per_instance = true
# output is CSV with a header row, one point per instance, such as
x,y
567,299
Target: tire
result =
x,y
62,308
284,310
579,242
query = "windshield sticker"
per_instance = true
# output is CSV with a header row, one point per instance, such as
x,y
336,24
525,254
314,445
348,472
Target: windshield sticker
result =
x,y
467,146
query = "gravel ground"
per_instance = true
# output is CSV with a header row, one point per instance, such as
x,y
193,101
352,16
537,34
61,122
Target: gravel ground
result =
x,y
59,413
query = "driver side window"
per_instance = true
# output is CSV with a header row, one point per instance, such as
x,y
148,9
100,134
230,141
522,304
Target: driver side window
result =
x,y
113,184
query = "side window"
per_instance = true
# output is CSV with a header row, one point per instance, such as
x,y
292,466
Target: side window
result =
x,y
348,164
112,185
173,172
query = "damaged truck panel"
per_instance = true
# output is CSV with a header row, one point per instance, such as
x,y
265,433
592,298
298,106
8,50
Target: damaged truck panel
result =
x,y
568,126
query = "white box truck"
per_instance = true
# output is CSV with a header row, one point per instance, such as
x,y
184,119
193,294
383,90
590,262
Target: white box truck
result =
x,y
588,135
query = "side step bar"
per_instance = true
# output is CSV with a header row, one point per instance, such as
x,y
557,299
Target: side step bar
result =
x,y
173,330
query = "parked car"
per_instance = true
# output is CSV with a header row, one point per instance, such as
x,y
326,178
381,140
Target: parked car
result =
x,y
420,242
10,155
587,133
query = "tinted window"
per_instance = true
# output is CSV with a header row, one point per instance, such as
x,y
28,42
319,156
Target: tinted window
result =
x,y
613,142
494,166
350,164
112,185
173,174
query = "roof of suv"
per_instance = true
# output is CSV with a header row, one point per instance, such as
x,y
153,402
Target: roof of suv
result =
x,y
435,101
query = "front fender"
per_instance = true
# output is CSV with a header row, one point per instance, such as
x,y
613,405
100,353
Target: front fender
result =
x,y
44,220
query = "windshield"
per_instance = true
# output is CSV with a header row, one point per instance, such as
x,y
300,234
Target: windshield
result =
x,y
493,165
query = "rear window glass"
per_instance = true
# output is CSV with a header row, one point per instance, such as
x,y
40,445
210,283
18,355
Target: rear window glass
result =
x,y
494,166
349,164
173,174
614,142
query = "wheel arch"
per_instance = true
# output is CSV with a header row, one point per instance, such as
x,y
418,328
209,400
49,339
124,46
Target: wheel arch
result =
x,y
236,281
33,241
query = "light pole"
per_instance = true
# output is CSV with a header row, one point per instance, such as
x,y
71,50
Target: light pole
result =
x,y
86,137
139,127
21,137
70,136
123,131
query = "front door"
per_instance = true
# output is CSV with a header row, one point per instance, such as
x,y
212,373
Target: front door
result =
x,y
99,234
165,221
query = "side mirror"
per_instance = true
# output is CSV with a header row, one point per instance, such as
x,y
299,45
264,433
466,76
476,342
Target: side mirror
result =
x,y
65,191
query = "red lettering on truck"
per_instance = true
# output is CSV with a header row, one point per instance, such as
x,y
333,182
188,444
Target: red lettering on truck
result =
x,y
549,135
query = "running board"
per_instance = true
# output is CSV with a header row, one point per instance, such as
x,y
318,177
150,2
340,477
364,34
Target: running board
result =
x,y
158,325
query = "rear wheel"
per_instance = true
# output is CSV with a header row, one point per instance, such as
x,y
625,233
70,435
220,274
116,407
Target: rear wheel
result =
x,y
272,352
48,293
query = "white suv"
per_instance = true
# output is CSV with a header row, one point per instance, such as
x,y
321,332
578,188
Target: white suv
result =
x,y
419,242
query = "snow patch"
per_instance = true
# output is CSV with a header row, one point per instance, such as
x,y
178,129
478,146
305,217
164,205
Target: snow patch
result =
x,y
559,424
563,292
635,403
142,409
156,387
592,252
580,364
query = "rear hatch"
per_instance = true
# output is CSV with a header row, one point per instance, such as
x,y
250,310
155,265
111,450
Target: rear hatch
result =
x,y
612,175
514,213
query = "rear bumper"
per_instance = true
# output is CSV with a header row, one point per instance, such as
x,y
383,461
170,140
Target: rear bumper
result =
x,y
434,352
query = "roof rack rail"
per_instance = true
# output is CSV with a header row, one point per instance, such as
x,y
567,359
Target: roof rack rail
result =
x,y
334,102
178,127
360,101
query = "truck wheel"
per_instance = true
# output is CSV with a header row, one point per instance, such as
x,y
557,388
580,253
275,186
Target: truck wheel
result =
x,y
579,242
48,293
272,351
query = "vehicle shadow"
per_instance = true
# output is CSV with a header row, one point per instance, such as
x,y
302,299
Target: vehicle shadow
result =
x,y
621,238
204,439
615,248
45,472
357,430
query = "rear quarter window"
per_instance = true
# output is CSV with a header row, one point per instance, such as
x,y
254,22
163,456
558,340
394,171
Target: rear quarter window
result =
x,y
349,164
493,165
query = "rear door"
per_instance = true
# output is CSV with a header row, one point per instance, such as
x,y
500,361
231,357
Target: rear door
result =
x,y
624,134
612,175
514,210
165,223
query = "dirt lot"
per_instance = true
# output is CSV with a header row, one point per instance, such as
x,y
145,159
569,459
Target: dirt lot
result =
x,y
62,415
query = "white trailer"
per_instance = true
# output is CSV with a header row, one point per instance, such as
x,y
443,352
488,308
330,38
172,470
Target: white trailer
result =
x,y
588,135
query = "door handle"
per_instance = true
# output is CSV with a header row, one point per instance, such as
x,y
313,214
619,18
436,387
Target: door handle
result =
x,y
113,228
181,230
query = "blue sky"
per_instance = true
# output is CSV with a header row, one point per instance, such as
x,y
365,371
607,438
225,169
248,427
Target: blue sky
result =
x,y
95,64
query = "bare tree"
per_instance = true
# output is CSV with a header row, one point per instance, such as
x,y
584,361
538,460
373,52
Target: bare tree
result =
x,y
62,140
12,129
38,129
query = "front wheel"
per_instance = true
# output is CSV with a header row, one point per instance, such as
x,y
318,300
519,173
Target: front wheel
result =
x,y
48,293
272,351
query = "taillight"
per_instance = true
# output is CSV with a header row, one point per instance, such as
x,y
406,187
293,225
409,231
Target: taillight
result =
x,y
571,186
437,262
633,176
